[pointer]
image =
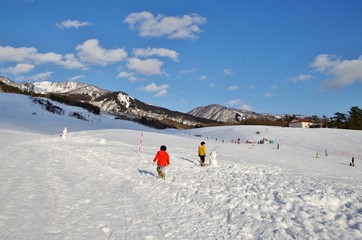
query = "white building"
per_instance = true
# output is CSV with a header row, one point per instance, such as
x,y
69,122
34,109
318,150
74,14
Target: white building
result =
x,y
300,123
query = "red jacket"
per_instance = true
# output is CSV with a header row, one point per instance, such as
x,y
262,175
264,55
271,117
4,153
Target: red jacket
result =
x,y
162,158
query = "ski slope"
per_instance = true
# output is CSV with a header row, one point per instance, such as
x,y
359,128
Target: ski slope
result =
x,y
99,181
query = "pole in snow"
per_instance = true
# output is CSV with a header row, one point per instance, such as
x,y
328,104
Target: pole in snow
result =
x,y
141,140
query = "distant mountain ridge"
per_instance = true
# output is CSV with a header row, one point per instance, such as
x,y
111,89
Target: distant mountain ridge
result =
x,y
119,103
228,115
124,106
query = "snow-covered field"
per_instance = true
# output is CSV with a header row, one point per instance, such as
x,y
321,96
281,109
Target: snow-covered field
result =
x,y
99,181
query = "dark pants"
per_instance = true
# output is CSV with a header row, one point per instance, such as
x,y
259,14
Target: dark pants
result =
x,y
202,160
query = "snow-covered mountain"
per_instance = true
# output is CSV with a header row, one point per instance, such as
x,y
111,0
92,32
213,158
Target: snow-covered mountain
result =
x,y
54,87
8,82
120,104
223,114
106,100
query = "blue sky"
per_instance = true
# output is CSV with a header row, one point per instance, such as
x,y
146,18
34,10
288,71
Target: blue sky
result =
x,y
281,56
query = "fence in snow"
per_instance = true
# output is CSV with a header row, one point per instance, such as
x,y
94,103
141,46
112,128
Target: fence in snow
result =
x,y
347,154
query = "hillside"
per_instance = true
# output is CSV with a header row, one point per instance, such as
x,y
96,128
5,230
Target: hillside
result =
x,y
98,182
229,115
119,104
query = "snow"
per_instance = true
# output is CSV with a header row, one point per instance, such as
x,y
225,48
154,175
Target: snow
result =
x,y
96,184
46,86
124,99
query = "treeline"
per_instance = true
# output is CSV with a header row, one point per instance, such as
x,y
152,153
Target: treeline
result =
x,y
73,102
350,120
53,96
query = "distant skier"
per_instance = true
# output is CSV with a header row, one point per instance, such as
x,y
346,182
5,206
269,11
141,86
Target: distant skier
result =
x,y
202,153
317,155
278,146
352,163
163,160
325,151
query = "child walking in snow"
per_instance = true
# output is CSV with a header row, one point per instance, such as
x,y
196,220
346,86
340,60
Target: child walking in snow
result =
x,y
202,153
163,160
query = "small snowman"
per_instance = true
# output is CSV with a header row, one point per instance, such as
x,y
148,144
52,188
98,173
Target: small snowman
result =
x,y
65,133
213,160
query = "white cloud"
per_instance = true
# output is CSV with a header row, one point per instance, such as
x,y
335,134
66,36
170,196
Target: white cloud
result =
x,y
76,78
301,78
237,102
70,62
148,25
233,88
188,71
228,71
31,56
234,102
73,24
246,107
131,76
18,69
49,57
159,91
145,67
323,62
202,77
342,72
269,94
162,52
125,74
11,54
41,76
91,52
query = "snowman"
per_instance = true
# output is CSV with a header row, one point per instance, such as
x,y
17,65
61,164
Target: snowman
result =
x,y
213,160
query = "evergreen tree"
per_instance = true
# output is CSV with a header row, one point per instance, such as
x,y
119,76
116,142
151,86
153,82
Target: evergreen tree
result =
x,y
314,118
325,121
355,118
339,120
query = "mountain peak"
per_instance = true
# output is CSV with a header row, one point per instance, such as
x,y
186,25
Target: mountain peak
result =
x,y
8,82
223,114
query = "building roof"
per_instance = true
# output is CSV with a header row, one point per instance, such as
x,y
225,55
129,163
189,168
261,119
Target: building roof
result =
x,y
300,120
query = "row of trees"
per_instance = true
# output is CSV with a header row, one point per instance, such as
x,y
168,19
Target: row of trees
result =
x,y
350,120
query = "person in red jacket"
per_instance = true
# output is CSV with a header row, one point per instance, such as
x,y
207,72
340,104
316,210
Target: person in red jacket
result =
x,y
163,160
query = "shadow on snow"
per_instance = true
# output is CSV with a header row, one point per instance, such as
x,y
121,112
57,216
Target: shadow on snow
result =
x,y
143,171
